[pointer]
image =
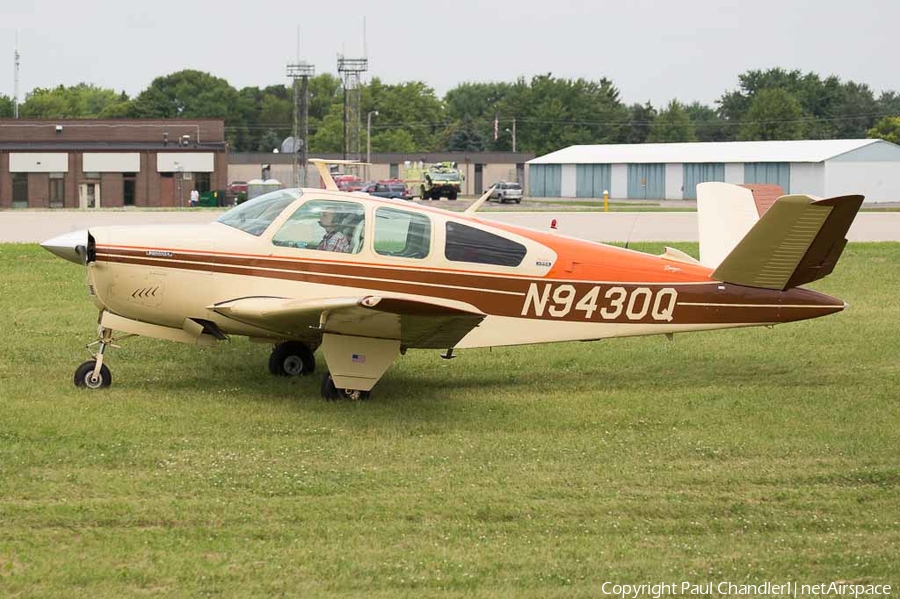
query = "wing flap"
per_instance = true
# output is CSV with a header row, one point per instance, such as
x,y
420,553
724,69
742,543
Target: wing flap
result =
x,y
416,323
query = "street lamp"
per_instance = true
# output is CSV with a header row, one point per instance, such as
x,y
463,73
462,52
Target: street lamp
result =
x,y
513,133
369,139
180,170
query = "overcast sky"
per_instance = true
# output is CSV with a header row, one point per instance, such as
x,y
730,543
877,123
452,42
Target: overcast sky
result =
x,y
690,50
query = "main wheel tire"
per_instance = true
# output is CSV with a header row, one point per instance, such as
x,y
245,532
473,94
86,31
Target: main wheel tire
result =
x,y
292,358
84,376
452,196
332,393
518,200
328,390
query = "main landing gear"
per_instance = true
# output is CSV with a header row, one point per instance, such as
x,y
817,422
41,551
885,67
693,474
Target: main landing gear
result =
x,y
292,358
94,374
332,393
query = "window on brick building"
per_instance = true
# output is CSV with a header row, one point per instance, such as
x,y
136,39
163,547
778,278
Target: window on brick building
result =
x,y
129,185
202,182
57,190
20,190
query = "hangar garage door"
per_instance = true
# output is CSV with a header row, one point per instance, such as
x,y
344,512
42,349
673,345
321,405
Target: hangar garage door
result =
x,y
545,180
646,181
592,180
701,173
769,172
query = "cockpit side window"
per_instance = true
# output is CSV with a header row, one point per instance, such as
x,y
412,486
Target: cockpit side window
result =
x,y
255,216
325,225
468,244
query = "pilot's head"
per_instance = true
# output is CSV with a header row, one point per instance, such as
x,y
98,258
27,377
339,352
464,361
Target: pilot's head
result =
x,y
328,220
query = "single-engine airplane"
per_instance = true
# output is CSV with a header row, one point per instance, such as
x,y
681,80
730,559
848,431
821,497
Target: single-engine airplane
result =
x,y
366,278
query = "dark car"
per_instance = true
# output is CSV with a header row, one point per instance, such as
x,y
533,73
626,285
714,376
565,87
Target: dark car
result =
x,y
388,190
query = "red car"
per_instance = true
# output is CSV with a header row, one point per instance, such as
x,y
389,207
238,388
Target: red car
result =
x,y
236,187
348,182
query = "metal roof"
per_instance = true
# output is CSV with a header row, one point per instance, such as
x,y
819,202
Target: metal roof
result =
x,y
461,158
725,151
88,146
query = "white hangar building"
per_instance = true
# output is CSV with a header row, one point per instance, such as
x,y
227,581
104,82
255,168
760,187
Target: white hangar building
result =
x,y
672,171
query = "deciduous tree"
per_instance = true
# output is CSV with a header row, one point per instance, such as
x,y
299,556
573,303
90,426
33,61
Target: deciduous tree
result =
x,y
672,125
80,101
887,129
773,114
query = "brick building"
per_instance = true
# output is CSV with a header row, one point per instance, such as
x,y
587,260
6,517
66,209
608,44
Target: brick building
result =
x,y
67,163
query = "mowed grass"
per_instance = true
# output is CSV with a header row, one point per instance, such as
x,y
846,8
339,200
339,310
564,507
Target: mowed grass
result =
x,y
748,456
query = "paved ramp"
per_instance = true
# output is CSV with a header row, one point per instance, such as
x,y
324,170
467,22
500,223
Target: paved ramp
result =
x,y
37,226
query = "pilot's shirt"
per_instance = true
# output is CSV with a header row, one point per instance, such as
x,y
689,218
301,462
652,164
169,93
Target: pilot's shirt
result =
x,y
334,242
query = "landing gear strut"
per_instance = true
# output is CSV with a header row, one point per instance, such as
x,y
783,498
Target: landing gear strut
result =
x,y
332,393
94,374
292,358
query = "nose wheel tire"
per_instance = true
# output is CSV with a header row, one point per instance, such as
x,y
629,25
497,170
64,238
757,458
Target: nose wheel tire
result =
x,y
84,376
292,358
332,393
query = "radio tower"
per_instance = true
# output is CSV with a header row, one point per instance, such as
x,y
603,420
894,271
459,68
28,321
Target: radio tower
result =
x,y
16,79
300,71
351,70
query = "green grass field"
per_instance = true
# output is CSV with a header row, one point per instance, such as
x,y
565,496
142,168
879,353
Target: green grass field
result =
x,y
747,456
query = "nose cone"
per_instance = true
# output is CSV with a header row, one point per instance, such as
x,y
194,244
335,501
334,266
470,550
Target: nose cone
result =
x,y
69,246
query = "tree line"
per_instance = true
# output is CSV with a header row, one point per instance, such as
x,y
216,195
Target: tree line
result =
x,y
549,112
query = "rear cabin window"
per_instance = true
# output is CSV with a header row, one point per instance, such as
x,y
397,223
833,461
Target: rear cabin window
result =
x,y
468,244
401,233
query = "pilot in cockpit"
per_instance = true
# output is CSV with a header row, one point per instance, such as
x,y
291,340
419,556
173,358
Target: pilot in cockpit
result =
x,y
334,240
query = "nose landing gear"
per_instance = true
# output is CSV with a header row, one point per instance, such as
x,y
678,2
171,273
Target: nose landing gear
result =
x,y
94,374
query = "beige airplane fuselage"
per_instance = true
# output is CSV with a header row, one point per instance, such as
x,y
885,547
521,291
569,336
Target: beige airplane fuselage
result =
x,y
170,278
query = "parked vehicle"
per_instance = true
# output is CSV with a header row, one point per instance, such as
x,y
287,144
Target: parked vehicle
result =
x,y
348,182
389,189
434,181
236,187
507,191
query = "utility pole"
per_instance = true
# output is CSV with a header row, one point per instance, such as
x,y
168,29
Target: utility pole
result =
x,y
512,132
300,71
16,79
351,70
369,139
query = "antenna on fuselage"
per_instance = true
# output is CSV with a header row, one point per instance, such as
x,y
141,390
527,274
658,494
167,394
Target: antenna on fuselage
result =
x,y
631,230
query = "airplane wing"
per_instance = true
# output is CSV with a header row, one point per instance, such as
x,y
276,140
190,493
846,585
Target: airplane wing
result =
x,y
415,323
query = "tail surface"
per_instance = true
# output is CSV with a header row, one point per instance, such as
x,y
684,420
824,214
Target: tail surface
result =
x,y
726,213
797,241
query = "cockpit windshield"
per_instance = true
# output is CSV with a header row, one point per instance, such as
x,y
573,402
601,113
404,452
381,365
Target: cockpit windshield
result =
x,y
255,216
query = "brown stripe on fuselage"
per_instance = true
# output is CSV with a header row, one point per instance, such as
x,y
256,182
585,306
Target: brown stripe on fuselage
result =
x,y
696,303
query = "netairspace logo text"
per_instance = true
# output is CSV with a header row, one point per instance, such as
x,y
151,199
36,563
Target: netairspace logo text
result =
x,y
789,589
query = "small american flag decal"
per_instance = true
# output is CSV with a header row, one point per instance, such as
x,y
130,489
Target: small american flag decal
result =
x,y
358,358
